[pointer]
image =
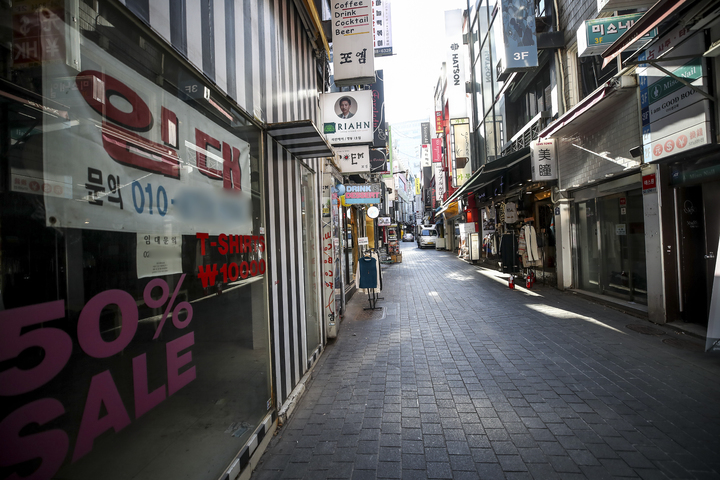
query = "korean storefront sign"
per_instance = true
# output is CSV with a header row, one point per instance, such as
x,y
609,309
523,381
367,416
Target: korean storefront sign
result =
x,y
378,162
461,165
382,27
544,160
440,181
348,117
455,91
519,37
675,117
418,189
378,98
595,36
425,159
358,193
353,159
152,162
439,122
353,50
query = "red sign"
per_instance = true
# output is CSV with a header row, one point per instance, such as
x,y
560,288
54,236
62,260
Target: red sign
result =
x,y
38,32
439,122
436,150
623,201
649,183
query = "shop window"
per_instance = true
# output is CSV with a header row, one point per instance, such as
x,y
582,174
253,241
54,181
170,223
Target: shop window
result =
x,y
133,252
592,75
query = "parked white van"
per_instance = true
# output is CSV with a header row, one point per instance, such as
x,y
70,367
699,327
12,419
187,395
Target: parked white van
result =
x,y
427,236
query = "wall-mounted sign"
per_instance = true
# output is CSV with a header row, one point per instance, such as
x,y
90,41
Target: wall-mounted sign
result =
x,y
518,32
353,158
596,35
455,63
544,160
382,28
440,181
357,193
675,117
378,162
425,158
383,221
425,133
461,165
438,122
436,150
649,184
353,50
348,117
380,135
418,190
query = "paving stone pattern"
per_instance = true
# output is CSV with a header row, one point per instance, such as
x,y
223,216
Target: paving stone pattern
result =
x,y
465,378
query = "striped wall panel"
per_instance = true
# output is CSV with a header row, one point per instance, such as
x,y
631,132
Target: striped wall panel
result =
x,y
257,51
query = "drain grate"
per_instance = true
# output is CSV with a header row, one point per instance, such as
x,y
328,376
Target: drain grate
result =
x,y
645,329
377,314
684,344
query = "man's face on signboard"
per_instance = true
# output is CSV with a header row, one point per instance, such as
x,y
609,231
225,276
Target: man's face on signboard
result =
x,y
344,107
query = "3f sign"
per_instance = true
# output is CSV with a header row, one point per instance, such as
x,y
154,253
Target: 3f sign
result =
x,y
520,55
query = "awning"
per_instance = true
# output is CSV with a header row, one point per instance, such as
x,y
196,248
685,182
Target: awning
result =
x,y
604,97
489,171
657,13
301,138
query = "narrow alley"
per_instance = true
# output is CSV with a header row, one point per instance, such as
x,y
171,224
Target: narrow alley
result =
x,y
460,377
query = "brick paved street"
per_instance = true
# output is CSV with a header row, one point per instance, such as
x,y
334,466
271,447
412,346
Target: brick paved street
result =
x,y
461,377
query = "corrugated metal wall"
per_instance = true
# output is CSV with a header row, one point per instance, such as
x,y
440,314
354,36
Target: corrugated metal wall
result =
x,y
257,51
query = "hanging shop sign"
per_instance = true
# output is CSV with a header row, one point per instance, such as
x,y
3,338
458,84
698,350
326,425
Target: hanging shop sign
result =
x,y
417,186
154,163
348,117
425,133
675,117
425,156
649,183
383,221
519,37
440,181
382,28
596,35
544,160
455,91
378,162
439,122
461,165
436,150
357,193
380,135
353,50
353,158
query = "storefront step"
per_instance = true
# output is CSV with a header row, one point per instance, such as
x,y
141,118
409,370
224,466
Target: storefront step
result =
x,y
631,308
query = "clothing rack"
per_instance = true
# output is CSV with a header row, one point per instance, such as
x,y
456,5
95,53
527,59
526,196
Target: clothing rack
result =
x,y
372,292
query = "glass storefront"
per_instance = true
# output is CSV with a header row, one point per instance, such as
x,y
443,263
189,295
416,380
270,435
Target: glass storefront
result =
x,y
610,246
310,247
133,323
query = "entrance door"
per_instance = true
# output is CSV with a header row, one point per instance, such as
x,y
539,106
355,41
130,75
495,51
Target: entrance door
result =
x,y
711,200
693,265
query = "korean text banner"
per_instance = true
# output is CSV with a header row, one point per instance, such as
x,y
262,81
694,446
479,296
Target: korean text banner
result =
x,y
455,91
138,159
348,117
353,51
382,27
437,150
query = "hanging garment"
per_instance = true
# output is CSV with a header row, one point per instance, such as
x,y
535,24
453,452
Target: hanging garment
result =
x,y
508,253
532,244
367,273
522,247
511,215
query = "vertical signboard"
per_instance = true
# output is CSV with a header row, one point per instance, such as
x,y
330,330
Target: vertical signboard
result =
x,y
440,182
38,32
461,165
353,51
455,92
425,159
436,150
425,133
518,36
439,122
544,160
382,28
378,99
675,117
378,162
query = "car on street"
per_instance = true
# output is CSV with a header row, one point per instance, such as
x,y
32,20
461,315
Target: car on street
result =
x,y
428,236
408,237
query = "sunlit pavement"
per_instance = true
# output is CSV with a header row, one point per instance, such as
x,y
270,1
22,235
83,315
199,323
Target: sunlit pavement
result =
x,y
461,377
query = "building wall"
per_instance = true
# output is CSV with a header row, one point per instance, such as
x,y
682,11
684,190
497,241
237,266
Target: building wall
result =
x,y
622,132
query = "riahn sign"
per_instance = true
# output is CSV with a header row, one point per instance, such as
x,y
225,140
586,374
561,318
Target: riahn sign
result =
x,y
348,117
518,35
353,50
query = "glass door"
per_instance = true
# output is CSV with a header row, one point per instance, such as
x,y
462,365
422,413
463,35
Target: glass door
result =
x,y
310,249
587,246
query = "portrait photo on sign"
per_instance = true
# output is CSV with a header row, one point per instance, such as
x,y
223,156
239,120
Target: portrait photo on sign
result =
x,y
345,107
